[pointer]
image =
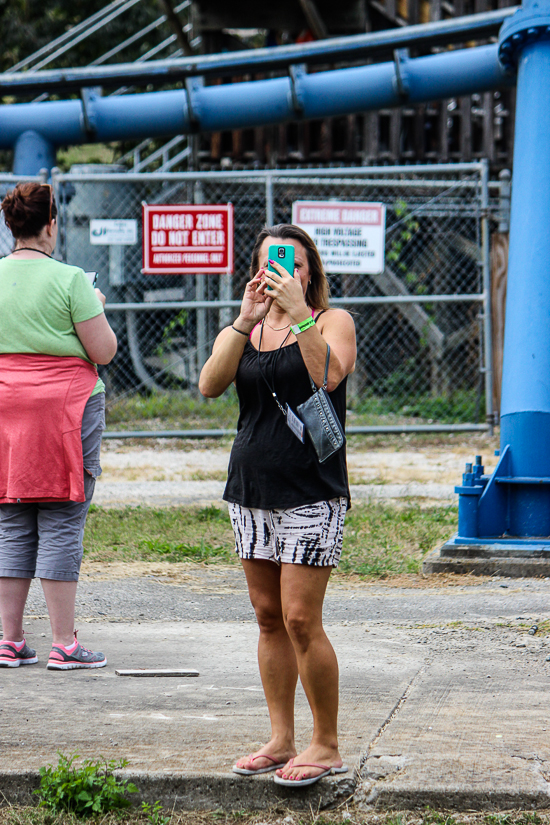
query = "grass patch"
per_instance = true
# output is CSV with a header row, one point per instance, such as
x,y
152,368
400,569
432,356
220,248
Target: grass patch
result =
x,y
380,540
345,815
183,409
201,534
173,411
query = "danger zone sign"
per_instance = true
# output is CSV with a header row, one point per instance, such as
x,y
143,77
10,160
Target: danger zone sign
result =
x,y
187,239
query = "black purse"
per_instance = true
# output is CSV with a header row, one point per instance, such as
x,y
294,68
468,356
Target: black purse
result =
x,y
320,420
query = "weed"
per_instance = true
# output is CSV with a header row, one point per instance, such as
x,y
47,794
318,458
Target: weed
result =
x,y
521,818
432,817
86,790
154,813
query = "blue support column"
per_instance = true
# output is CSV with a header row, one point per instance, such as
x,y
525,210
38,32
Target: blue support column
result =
x,y
31,153
516,501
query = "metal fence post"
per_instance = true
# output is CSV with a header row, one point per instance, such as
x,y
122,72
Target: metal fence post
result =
x,y
200,295
486,271
59,193
269,219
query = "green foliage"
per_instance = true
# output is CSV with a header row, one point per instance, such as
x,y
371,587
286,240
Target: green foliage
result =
x,y
408,227
87,790
384,540
171,330
397,398
432,817
521,818
29,25
173,409
201,534
172,551
154,813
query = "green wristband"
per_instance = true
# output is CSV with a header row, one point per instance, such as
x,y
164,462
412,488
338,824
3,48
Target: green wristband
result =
x,y
302,326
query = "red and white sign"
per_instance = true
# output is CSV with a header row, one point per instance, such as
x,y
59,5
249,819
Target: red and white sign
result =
x,y
349,235
187,239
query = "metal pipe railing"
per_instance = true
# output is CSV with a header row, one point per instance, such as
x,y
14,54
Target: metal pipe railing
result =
x,y
159,306
334,50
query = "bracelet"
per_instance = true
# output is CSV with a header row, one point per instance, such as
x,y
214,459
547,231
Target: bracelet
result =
x,y
302,326
240,331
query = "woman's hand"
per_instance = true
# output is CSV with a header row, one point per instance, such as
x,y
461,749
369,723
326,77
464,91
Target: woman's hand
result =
x,y
287,291
221,368
101,296
255,304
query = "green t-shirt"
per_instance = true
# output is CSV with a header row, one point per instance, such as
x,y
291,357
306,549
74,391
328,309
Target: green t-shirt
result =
x,y
40,302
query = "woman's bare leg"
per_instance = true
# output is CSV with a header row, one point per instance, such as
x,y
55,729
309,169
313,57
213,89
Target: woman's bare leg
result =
x,y
60,597
302,592
276,659
13,597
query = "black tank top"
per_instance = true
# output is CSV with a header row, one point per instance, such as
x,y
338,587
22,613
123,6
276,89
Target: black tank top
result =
x,y
269,467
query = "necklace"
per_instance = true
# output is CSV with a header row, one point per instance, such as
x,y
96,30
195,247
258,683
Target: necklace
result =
x,y
276,329
30,249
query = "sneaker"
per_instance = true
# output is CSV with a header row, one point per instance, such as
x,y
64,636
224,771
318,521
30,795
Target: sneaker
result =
x,y
74,656
13,654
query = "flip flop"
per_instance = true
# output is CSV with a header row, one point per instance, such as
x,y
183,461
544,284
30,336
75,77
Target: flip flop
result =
x,y
309,780
247,772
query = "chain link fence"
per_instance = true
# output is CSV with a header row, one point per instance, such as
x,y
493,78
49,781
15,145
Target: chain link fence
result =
x,y
423,325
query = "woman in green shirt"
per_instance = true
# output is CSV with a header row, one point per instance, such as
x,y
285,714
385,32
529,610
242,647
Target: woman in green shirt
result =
x,y
53,331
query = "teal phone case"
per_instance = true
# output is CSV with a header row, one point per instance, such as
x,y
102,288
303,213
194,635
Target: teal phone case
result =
x,y
284,255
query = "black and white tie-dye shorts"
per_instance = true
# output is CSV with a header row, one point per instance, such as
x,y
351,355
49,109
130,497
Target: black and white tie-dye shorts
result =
x,y
311,534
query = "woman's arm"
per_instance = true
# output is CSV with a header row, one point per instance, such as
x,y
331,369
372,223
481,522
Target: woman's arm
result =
x,y
221,368
97,337
337,329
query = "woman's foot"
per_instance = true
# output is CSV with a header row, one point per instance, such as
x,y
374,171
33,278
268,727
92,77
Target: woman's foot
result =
x,y
268,758
311,765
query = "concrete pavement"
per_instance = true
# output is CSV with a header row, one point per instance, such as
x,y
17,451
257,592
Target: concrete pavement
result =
x,y
444,694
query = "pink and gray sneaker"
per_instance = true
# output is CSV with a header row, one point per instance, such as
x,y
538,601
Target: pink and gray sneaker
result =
x,y
13,654
74,656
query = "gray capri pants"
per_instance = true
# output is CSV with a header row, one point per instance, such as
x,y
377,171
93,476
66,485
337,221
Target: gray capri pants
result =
x,y
44,539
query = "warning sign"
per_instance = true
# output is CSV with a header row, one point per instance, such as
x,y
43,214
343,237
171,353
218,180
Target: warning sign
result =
x,y
350,235
187,239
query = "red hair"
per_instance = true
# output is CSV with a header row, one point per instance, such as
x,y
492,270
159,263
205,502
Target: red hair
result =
x,y
29,208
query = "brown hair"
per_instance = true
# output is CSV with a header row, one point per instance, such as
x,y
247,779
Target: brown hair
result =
x,y
318,290
29,208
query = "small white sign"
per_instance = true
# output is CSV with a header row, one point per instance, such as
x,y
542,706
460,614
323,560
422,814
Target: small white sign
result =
x,y
113,232
350,235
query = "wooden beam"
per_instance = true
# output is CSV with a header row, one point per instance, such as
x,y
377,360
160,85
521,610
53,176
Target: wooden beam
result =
x,y
314,19
174,21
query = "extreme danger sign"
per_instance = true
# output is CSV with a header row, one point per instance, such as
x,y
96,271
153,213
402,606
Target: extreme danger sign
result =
x,y
187,239
349,235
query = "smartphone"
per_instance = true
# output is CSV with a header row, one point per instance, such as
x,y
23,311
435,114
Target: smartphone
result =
x,y
283,253
92,277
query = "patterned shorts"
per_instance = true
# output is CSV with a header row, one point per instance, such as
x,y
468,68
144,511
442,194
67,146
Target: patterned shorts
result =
x,y
311,534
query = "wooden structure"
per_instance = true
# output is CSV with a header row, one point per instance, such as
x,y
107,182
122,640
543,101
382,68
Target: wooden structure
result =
x,y
460,129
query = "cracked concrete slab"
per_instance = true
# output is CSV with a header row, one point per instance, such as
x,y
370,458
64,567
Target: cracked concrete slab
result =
x,y
443,696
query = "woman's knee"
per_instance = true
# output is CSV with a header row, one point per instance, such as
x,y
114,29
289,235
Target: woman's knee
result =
x,y
301,627
269,618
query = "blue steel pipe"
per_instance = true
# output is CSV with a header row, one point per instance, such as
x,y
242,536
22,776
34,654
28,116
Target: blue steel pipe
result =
x,y
525,406
257,103
514,503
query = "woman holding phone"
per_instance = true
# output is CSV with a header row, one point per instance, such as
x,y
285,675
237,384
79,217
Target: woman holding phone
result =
x,y
287,509
53,331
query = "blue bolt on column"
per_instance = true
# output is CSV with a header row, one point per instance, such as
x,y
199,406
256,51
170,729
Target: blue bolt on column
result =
x,y
525,403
